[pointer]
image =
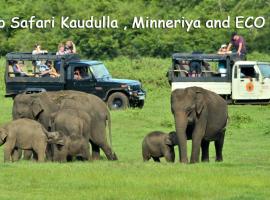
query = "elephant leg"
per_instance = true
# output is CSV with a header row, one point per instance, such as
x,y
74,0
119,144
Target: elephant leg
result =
x,y
8,149
219,147
87,156
35,156
40,150
197,137
41,156
69,158
156,159
7,153
95,151
16,154
146,156
49,152
86,152
27,154
169,156
108,152
205,151
98,137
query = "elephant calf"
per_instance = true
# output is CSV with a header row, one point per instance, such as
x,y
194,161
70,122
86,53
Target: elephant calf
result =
x,y
74,146
27,134
158,144
75,126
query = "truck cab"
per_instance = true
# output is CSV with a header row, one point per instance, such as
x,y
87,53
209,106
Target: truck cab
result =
x,y
71,73
251,81
228,75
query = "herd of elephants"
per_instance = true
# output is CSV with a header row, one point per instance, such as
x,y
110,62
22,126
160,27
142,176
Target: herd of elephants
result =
x,y
62,126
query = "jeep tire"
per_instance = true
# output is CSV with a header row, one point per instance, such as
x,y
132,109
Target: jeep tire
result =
x,y
140,104
118,101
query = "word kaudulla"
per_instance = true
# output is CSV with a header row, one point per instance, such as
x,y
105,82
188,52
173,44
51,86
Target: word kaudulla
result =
x,y
99,23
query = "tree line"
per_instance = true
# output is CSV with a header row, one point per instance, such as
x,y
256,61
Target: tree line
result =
x,y
110,43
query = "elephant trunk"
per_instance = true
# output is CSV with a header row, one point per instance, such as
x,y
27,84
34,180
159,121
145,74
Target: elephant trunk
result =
x,y
181,122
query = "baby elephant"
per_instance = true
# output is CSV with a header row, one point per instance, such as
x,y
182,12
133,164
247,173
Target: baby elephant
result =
x,y
27,134
158,144
75,146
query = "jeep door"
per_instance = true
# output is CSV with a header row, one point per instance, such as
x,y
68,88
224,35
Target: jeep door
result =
x,y
79,77
246,82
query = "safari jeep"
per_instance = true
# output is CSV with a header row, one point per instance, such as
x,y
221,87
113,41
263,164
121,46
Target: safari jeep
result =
x,y
236,80
93,78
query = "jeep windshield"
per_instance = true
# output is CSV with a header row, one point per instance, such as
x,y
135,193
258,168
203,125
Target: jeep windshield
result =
x,y
100,71
265,70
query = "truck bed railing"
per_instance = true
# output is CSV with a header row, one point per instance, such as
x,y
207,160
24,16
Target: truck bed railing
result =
x,y
46,56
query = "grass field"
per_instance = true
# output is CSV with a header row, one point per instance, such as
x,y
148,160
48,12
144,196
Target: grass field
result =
x,y
244,174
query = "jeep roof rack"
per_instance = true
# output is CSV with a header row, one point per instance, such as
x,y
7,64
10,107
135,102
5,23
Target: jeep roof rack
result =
x,y
46,56
209,57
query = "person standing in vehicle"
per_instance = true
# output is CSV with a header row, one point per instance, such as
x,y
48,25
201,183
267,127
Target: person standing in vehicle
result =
x,y
43,69
38,50
61,50
238,43
223,50
70,47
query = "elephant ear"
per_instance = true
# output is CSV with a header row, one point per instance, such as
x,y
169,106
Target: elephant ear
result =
x,y
36,107
199,102
168,141
3,134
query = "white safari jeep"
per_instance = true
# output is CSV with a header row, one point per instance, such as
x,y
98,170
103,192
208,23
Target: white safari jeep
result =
x,y
236,80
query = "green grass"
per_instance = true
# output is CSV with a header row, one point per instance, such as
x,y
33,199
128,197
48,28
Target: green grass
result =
x,y
244,174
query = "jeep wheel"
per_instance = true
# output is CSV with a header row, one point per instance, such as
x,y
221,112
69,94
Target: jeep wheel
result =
x,y
140,104
118,101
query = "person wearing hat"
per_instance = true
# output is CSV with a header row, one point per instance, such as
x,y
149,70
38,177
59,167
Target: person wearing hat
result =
x,y
223,50
238,43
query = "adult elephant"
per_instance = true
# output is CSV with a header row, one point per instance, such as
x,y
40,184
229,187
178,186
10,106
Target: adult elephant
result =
x,y
40,106
200,115
37,106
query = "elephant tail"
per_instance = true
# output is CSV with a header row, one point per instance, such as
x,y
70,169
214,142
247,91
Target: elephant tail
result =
x,y
110,129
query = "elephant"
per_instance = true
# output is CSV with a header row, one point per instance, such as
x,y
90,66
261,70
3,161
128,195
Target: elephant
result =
x,y
75,125
74,146
200,115
27,134
40,106
157,144
78,122
36,106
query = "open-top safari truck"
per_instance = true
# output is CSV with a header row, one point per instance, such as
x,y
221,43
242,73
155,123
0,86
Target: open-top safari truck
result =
x,y
235,79
73,73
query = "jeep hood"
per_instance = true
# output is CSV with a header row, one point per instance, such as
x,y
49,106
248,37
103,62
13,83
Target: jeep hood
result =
x,y
124,81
